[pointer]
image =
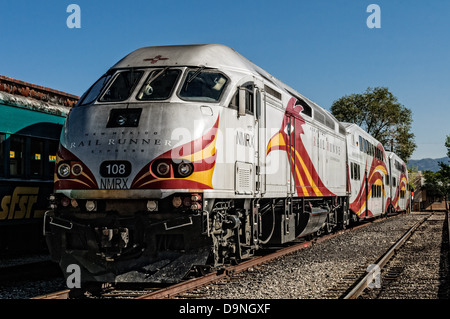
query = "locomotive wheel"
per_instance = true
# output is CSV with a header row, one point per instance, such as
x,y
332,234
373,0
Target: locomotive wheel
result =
x,y
328,228
345,220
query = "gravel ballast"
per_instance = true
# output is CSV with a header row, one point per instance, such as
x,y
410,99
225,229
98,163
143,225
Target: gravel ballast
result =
x,y
314,272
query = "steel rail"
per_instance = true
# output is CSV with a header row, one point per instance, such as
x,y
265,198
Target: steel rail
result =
x,y
381,262
186,286
63,294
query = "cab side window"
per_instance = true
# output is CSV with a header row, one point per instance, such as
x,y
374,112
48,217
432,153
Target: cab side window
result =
x,y
249,99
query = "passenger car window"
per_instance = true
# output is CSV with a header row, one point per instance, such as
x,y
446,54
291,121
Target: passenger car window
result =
x,y
2,154
206,86
122,86
17,156
37,158
159,85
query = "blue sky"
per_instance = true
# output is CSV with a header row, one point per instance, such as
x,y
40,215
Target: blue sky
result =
x,y
323,49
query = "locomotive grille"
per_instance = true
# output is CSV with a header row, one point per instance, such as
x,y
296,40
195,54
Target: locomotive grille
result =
x,y
244,178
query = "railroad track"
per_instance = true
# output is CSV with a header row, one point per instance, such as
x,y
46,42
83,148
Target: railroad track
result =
x,y
187,289
391,269
416,266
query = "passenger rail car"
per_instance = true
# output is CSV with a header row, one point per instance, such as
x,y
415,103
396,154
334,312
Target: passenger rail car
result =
x,y
29,138
181,156
398,184
368,171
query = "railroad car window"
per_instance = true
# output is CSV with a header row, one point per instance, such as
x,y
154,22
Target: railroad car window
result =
x,y
306,108
360,144
351,171
159,85
272,92
258,104
329,122
203,86
52,150
17,156
93,92
249,96
319,117
122,86
2,154
354,171
37,158
387,180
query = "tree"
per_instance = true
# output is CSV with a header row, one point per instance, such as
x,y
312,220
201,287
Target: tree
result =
x,y
438,184
447,145
379,113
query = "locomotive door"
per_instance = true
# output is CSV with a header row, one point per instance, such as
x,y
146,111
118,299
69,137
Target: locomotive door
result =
x,y
260,120
291,147
366,195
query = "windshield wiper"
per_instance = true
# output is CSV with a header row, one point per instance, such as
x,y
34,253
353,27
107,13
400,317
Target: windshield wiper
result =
x,y
193,76
153,78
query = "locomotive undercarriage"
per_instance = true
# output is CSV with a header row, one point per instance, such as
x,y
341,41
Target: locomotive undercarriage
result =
x,y
134,245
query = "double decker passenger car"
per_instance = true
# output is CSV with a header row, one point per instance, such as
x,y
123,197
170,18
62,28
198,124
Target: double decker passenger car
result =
x,y
367,172
398,184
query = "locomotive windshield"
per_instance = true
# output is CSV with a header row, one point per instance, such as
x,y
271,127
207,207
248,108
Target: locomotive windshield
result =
x,y
159,85
206,86
91,95
122,86
198,85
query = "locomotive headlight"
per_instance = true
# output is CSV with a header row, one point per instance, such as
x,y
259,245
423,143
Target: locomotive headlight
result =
x,y
163,169
77,169
176,201
121,120
74,203
185,169
65,201
63,170
152,205
91,206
